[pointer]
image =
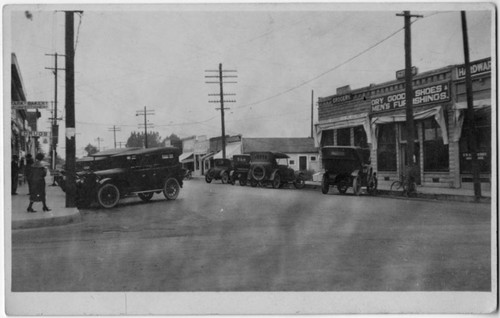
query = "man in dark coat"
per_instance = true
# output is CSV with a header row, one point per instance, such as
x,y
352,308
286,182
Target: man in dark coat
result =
x,y
27,170
37,192
15,173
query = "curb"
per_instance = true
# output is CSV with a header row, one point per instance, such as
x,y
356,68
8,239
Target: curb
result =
x,y
424,196
74,217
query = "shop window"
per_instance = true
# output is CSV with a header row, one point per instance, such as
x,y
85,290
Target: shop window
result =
x,y
313,158
344,137
436,155
403,132
386,151
360,139
327,139
482,117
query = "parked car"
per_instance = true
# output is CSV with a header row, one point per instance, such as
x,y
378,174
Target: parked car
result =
x,y
138,171
241,166
347,167
221,170
272,168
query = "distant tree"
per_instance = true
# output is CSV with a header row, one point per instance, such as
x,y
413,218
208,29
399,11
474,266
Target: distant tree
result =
x,y
137,139
175,141
90,149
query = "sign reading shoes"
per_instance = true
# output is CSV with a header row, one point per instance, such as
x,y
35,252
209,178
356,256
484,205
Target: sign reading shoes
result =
x,y
430,94
29,105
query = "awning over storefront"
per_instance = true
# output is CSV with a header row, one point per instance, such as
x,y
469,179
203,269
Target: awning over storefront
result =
x,y
436,112
343,122
186,157
458,116
207,156
231,150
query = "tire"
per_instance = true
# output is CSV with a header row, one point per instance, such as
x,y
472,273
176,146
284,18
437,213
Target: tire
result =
x,y
325,187
342,188
258,172
356,185
396,186
243,181
108,195
208,178
372,186
299,182
276,181
253,183
225,178
146,196
171,189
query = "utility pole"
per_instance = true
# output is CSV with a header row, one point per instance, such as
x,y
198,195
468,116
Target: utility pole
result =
x,y
70,109
145,112
114,130
221,100
99,139
410,133
471,138
55,126
120,143
312,112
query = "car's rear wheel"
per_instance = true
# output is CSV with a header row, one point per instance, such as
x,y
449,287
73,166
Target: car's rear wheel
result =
x,y
208,178
276,181
325,186
356,185
372,186
108,195
253,183
299,182
146,196
243,181
171,189
225,177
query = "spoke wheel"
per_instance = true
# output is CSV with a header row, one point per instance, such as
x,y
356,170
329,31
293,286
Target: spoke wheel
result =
x,y
208,178
108,195
243,181
325,187
225,177
372,186
171,189
253,183
145,196
299,183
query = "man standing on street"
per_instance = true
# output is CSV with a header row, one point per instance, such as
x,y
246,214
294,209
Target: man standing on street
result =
x,y
15,173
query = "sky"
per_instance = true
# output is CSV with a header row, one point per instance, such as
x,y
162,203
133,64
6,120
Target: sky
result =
x,y
284,55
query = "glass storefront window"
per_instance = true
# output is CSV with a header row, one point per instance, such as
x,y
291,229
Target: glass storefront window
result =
x,y
386,151
482,117
436,155
344,137
360,139
327,138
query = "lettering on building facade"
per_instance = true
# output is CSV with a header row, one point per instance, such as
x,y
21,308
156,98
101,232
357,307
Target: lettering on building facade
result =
x,y
430,94
479,67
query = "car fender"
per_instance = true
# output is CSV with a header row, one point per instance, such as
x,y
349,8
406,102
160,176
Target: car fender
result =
x,y
355,173
273,174
105,180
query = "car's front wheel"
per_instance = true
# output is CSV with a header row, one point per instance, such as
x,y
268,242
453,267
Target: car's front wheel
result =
x,y
208,178
225,178
146,196
171,189
299,182
108,195
276,181
243,181
325,186
356,185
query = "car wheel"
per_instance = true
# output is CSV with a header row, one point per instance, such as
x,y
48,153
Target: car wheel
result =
x,y
276,181
171,189
208,178
259,173
356,185
299,182
225,178
253,183
372,186
108,195
243,182
146,196
325,186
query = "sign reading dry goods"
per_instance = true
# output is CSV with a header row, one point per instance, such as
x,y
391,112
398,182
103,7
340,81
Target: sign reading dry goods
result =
x,y
430,94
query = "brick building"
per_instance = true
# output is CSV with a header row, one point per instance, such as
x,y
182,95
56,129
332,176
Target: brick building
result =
x,y
374,117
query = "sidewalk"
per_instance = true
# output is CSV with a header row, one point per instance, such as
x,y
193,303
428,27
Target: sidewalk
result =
x,y
56,201
428,193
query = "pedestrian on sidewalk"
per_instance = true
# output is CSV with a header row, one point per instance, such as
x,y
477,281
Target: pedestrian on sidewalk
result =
x,y
27,170
37,191
14,168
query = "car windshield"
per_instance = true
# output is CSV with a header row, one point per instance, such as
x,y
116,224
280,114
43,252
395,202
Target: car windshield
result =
x,y
282,161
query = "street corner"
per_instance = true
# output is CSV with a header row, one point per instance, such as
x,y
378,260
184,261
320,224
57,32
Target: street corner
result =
x,y
57,216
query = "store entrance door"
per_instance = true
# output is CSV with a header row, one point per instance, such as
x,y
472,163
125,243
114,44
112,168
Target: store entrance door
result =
x,y
403,162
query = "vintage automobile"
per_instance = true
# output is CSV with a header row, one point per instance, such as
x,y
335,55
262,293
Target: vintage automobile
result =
x,y
347,167
221,170
137,171
272,168
241,166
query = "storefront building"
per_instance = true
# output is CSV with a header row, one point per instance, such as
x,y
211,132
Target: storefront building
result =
x,y
375,117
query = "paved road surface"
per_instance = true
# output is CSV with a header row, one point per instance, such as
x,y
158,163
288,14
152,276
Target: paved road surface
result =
x,y
218,237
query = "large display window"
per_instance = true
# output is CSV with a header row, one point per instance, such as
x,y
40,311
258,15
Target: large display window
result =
x,y
436,153
482,118
344,137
